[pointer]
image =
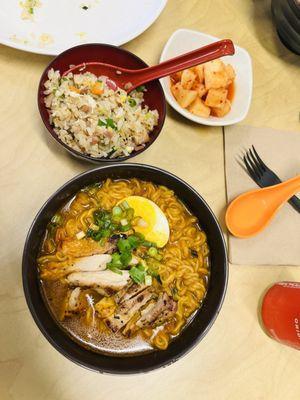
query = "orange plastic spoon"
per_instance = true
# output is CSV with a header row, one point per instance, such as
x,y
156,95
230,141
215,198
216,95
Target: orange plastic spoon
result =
x,y
251,212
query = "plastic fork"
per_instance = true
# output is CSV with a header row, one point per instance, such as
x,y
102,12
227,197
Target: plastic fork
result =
x,y
263,176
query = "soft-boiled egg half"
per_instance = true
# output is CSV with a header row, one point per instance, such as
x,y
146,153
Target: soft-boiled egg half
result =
x,y
152,222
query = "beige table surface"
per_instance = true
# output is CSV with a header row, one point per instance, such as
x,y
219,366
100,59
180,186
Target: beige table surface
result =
x,y
236,360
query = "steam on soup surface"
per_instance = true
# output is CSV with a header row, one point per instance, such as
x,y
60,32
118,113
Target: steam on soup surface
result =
x,y
123,266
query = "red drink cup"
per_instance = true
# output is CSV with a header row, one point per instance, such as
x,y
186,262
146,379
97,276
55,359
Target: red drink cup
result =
x,y
281,313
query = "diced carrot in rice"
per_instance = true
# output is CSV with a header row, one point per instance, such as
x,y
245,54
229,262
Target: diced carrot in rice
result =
x,y
97,88
74,89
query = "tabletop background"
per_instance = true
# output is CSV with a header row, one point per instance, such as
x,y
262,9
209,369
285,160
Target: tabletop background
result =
x,y
236,360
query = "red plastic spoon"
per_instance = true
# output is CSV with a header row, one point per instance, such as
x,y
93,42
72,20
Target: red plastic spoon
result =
x,y
129,79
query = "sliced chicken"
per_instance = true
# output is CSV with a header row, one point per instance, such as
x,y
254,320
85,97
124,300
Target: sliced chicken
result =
x,y
73,301
131,327
79,300
97,262
155,314
169,310
85,247
104,291
107,280
128,308
121,293
128,292
149,315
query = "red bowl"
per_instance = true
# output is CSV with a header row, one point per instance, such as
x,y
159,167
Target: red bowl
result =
x,y
154,96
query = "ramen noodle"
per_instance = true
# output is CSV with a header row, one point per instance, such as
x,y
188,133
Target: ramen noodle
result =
x,y
124,266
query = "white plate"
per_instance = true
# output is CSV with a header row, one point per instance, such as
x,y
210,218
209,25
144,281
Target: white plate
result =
x,y
60,24
185,40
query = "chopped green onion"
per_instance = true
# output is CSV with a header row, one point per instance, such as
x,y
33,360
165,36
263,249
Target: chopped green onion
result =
x,y
131,102
141,88
125,228
94,235
152,252
102,241
143,264
126,258
146,243
148,280
114,269
89,232
101,123
116,260
117,218
123,245
56,219
134,261
141,267
94,227
80,235
124,222
51,229
129,213
140,236
153,273
134,241
117,211
137,275
98,215
105,233
124,205
106,224
110,124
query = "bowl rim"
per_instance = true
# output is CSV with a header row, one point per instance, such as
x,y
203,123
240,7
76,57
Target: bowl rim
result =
x,y
185,113
74,152
114,371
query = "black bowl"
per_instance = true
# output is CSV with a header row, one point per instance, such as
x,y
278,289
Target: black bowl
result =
x,y
154,97
204,317
286,15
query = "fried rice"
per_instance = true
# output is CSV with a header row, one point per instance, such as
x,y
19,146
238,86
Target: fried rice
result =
x,y
93,116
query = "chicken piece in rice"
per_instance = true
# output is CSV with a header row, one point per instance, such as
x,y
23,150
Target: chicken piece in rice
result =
x,y
91,117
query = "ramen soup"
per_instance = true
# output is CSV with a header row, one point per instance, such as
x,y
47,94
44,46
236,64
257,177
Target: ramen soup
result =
x,y
124,266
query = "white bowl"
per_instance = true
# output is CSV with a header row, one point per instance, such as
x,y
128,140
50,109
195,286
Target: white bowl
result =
x,y
185,40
